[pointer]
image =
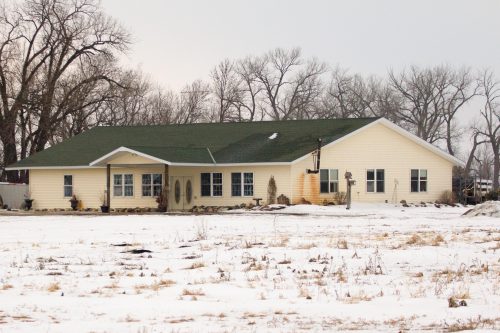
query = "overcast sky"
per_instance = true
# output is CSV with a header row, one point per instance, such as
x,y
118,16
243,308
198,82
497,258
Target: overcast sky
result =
x,y
180,41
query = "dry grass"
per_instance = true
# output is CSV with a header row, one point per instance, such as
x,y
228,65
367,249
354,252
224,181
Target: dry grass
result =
x,y
192,292
180,320
436,241
7,286
53,287
196,265
342,244
415,240
473,324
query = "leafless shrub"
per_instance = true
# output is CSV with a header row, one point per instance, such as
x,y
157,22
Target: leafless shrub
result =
x,y
342,244
447,198
53,287
196,265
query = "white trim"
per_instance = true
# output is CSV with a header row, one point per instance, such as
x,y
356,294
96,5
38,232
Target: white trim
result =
x,y
399,130
54,167
229,164
127,150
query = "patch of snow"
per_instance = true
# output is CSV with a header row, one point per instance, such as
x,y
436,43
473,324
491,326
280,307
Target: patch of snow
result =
x,y
488,208
273,136
374,267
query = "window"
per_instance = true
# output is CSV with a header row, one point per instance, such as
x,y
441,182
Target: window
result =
x,y
242,184
248,184
123,185
375,180
152,184
328,180
68,185
418,180
211,184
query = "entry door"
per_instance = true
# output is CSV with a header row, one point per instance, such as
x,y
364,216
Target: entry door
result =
x,y
181,193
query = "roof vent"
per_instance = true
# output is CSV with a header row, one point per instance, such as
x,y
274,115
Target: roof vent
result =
x,y
273,136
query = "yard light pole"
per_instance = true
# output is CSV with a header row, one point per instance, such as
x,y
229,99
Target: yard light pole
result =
x,y
350,183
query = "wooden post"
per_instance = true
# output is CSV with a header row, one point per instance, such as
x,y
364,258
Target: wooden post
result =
x,y
108,185
165,188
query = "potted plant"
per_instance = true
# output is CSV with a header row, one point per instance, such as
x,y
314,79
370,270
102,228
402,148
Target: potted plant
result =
x,y
74,202
28,202
105,205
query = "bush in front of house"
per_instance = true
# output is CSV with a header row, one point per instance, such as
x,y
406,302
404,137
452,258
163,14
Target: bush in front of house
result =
x,y
447,198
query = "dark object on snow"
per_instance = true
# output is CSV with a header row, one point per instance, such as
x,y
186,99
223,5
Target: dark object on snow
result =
x,y
453,303
122,244
135,251
104,209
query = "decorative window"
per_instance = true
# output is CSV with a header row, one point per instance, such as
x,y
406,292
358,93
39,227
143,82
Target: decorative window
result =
x,y
328,180
418,180
189,191
242,184
152,184
177,191
68,185
211,184
123,185
375,180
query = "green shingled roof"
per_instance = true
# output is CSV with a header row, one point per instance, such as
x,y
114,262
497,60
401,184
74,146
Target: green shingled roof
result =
x,y
228,142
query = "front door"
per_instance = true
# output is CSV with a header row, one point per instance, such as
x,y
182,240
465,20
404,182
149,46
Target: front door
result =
x,y
181,193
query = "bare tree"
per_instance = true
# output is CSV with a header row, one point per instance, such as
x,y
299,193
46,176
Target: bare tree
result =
x,y
225,91
420,90
290,86
490,116
249,101
43,44
193,102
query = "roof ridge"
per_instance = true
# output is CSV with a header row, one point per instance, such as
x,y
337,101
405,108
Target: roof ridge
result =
x,y
241,122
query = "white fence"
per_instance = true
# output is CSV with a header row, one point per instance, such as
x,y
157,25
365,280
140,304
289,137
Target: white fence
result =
x,y
13,194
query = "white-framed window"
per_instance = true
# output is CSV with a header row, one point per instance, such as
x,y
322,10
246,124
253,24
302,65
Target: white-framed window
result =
x,y
375,180
68,185
152,184
242,184
418,181
328,180
123,185
211,184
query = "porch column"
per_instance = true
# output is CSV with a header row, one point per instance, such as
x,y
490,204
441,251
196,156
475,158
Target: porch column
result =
x,y
108,185
166,188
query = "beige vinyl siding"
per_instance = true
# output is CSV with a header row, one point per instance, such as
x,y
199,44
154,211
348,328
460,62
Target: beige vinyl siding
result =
x,y
261,176
47,187
376,147
89,185
130,158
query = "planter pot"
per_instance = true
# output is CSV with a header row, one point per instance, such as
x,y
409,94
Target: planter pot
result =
x,y
28,203
105,209
74,204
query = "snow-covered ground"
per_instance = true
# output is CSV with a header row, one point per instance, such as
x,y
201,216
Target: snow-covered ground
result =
x,y
375,267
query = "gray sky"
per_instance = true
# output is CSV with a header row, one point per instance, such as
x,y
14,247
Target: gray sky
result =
x,y
177,42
